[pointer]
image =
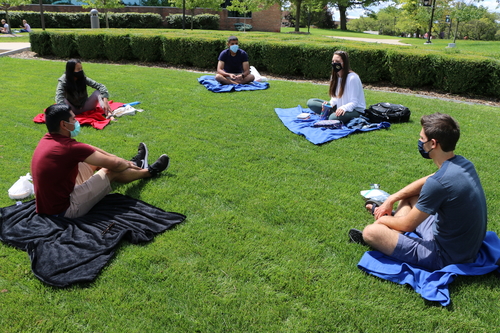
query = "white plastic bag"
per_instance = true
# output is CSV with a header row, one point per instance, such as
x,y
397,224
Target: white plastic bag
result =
x,y
125,110
22,188
257,75
375,193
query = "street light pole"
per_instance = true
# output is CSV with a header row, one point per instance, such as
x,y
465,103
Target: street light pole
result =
x,y
430,23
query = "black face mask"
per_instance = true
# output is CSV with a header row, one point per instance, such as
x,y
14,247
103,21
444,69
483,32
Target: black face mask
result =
x,y
337,66
421,150
79,75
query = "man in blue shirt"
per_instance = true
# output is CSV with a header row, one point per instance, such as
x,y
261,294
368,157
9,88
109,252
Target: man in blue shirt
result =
x,y
447,209
233,66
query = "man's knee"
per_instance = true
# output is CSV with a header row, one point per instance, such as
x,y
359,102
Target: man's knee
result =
x,y
376,233
371,233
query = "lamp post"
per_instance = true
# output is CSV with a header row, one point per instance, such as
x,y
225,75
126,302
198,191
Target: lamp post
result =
x,y
433,4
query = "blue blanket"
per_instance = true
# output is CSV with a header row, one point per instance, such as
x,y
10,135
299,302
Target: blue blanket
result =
x,y
433,286
213,85
317,135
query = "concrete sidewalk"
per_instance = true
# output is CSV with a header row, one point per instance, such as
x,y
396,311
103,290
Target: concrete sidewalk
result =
x,y
11,48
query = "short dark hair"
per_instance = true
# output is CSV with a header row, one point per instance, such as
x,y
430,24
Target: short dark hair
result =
x,y
54,114
443,128
232,38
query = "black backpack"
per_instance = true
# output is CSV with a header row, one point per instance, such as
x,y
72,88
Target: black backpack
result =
x,y
392,113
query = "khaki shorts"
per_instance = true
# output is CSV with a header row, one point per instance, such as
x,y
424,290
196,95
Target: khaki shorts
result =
x,y
90,189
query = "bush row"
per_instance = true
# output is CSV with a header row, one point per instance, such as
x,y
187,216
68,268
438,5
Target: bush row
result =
x,y
116,20
404,68
202,21
82,20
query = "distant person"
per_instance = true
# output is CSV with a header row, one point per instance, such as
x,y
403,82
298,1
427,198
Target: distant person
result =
x,y
72,90
26,27
70,177
347,99
4,29
233,66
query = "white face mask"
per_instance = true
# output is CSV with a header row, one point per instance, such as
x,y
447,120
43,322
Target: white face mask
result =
x,y
234,48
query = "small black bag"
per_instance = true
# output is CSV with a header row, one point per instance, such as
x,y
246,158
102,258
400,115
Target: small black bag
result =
x,y
392,113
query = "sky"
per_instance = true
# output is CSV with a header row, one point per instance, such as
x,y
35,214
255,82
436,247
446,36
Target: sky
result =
x,y
356,13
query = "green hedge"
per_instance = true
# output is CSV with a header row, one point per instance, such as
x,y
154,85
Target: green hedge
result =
x,y
202,21
291,57
82,20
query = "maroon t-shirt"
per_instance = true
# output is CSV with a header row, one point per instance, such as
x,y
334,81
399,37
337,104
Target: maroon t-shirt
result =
x,y
54,168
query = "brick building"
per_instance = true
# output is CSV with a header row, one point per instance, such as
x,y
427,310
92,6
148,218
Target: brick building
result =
x,y
266,20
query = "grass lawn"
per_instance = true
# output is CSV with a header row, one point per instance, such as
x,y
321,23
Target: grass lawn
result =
x,y
264,247
469,47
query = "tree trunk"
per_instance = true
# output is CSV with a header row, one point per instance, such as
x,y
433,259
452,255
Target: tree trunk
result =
x,y
343,18
298,4
8,21
106,15
192,17
456,31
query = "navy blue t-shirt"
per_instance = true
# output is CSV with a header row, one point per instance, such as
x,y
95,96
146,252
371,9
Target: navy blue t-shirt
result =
x,y
454,193
233,65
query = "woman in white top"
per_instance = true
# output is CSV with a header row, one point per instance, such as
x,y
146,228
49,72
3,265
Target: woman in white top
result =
x,y
346,92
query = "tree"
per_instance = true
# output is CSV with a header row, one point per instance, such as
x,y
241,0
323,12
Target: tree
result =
x,y
193,4
106,5
7,4
462,12
308,5
344,5
313,6
246,6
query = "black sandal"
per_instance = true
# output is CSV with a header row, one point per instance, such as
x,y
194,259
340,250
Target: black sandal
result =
x,y
375,204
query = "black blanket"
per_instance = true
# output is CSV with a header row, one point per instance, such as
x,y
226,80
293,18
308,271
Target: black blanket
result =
x,y
67,251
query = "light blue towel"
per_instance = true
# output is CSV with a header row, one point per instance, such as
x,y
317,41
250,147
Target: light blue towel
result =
x,y
317,135
432,286
213,85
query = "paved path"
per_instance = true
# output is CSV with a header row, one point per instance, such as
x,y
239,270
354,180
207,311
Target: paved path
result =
x,y
11,48
373,40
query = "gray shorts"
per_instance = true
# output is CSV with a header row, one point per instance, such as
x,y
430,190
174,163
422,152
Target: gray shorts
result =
x,y
90,189
423,252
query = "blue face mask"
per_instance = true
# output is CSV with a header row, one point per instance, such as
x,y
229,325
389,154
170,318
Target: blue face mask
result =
x,y
234,48
76,130
421,150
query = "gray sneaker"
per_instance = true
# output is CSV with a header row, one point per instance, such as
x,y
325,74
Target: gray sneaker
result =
x,y
141,159
160,165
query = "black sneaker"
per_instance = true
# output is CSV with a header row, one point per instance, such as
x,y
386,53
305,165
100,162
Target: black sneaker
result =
x,y
160,165
141,159
356,236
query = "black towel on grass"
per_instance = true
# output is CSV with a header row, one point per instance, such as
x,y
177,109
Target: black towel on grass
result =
x,y
67,251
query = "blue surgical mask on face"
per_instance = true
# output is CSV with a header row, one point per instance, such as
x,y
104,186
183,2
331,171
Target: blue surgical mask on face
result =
x,y
76,130
425,154
234,48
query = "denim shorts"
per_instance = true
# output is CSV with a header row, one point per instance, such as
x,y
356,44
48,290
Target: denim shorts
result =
x,y
423,252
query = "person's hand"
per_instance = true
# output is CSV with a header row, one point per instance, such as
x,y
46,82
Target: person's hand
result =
x,y
339,112
132,165
232,77
384,209
107,108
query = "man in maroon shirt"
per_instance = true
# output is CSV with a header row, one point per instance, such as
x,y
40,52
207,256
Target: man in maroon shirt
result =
x,y
64,170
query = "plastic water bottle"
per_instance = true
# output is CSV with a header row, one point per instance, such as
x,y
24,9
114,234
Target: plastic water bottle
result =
x,y
375,193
